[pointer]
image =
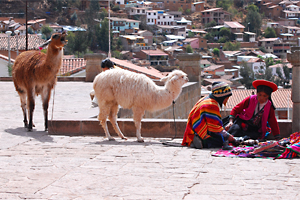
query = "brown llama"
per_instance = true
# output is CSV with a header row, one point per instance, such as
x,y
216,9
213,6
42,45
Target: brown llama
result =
x,y
35,73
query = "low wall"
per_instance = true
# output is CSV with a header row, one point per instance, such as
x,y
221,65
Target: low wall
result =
x,y
157,128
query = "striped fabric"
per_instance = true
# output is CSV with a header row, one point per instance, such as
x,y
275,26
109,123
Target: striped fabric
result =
x,y
293,150
205,116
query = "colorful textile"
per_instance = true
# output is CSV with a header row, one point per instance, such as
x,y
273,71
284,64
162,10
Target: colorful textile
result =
x,y
248,152
293,150
205,116
269,149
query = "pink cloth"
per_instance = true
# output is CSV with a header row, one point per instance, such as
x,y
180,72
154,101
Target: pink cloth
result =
x,y
247,113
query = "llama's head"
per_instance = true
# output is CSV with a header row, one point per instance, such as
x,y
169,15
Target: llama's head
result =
x,y
57,40
175,78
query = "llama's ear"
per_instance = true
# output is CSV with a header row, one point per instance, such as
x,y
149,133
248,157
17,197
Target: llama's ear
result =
x,y
164,79
45,44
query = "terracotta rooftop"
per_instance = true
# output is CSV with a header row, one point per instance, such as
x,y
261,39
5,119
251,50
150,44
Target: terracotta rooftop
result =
x,y
289,65
148,71
213,67
252,60
155,52
33,42
281,98
234,24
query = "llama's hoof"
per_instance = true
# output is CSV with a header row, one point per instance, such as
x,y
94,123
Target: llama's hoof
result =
x,y
29,129
140,140
124,138
111,139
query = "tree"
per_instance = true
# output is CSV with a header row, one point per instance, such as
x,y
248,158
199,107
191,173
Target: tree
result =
x,y
253,19
191,34
180,9
211,24
270,33
115,8
225,4
188,11
46,30
103,13
80,43
247,74
229,46
69,49
216,52
189,49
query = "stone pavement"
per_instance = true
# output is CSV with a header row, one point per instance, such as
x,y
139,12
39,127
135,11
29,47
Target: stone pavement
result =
x,y
35,165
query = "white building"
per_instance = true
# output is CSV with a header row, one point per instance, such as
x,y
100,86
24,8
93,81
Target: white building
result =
x,y
165,19
151,17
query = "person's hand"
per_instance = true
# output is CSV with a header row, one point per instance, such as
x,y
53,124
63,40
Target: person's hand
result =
x,y
227,127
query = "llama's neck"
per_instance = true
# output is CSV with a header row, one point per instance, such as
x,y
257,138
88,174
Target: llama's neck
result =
x,y
165,97
54,58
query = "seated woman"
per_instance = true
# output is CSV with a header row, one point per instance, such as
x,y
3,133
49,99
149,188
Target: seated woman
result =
x,y
204,127
249,118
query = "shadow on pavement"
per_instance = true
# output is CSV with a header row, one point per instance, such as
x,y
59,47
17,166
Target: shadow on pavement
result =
x,y
41,136
125,142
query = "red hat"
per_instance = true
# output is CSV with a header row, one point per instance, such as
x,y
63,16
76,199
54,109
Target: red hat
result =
x,y
270,84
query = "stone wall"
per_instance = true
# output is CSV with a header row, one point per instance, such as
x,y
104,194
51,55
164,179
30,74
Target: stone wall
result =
x,y
93,65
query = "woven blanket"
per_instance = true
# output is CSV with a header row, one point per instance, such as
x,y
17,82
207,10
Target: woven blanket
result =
x,y
269,149
248,152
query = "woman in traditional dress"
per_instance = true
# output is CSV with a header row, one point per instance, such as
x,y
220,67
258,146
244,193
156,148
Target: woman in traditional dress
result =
x,y
249,118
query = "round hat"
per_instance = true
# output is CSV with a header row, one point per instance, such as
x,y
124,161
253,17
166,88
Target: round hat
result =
x,y
270,84
221,89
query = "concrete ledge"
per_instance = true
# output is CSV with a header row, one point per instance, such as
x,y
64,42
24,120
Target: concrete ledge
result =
x,y
156,128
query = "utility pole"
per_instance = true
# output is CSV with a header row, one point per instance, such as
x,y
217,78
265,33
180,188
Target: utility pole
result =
x,y
109,54
26,26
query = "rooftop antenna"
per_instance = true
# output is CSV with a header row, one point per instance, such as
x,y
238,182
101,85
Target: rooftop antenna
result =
x,y
109,54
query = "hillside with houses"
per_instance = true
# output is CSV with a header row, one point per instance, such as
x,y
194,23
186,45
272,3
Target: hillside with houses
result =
x,y
238,40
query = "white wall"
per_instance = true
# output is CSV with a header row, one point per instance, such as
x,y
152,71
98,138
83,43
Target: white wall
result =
x,y
3,68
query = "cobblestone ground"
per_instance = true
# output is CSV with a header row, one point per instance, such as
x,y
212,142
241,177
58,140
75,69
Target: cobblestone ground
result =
x,y
35,165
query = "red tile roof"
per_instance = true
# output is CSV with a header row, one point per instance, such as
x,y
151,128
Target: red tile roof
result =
x,y
234,24
281,98
148,71
155,52
71,66
33,42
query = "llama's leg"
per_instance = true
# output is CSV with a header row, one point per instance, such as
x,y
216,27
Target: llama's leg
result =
x,y
23,106
137,118
113,120
45,99
31,104
103,113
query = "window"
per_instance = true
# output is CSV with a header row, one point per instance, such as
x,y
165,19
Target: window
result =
x,y
148,20
149,13
154,13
